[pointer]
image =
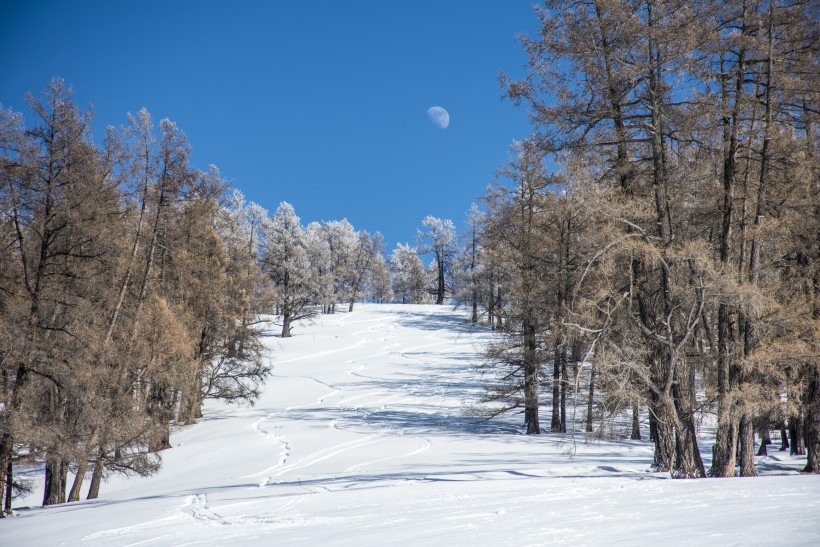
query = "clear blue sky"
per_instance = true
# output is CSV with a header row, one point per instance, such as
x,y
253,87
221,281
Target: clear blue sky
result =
x,y
321,104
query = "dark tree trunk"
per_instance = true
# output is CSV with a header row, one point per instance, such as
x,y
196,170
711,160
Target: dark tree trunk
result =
x,y
765,440
96,477
499,320
564,387
811,425
746,433
440,286
555,422
474,316
160,408
286,325
636,423
473,285
5,466
797,445
491,304
7,439
590,398
82,469
664,456
688,461
784,436
191,404
724,450
530,379
55,480
163,440
747,448
9,484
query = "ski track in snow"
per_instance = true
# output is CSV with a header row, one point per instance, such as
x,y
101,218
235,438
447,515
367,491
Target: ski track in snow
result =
x,y
360,439
370,399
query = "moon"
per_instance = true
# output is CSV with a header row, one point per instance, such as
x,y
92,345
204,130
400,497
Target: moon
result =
x,y
438,116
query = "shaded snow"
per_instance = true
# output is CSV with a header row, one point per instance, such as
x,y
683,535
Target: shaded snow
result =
x,y
360,438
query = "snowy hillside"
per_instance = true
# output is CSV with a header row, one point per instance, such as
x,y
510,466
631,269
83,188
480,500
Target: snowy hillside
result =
x,y
361,438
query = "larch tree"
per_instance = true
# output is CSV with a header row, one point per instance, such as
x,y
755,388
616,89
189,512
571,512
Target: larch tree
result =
x,y
379,287
408,274
285,259
513,231
125,297
694,119
438,236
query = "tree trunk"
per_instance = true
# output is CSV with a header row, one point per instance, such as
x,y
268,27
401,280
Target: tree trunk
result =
x,y
664,456
555,423
747,447
564,387
286,325
163,440
636,423
474,316
491,302
440,280
499,320
9,485
746,434
724,450
811,425
784,436
82,468
765,440
591,397
96,477
797,445
55,480
615,101
688,461
190,406
530,379
5,466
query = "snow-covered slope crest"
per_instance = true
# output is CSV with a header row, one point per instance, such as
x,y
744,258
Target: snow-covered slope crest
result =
x,y
360,439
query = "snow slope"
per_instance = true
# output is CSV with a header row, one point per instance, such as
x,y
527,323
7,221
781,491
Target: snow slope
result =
x,y
361,438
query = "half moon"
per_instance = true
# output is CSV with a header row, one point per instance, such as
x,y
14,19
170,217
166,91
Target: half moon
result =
x,y
438,116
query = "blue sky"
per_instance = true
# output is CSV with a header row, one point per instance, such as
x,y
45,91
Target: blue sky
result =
x,y
321,104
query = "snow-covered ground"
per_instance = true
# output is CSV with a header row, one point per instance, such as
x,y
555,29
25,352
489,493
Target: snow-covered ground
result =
x,y
361,438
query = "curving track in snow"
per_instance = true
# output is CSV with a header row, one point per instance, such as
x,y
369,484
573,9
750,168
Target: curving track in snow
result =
x,y
360,438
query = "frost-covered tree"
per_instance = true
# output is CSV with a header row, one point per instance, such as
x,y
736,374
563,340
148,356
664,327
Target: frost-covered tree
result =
x,y
468,266
438,236
409,276
321,256
341,240
286,260
359,267
379,286
343,258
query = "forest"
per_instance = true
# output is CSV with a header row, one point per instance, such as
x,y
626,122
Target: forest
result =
x,y
131,290
662,223
651,248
